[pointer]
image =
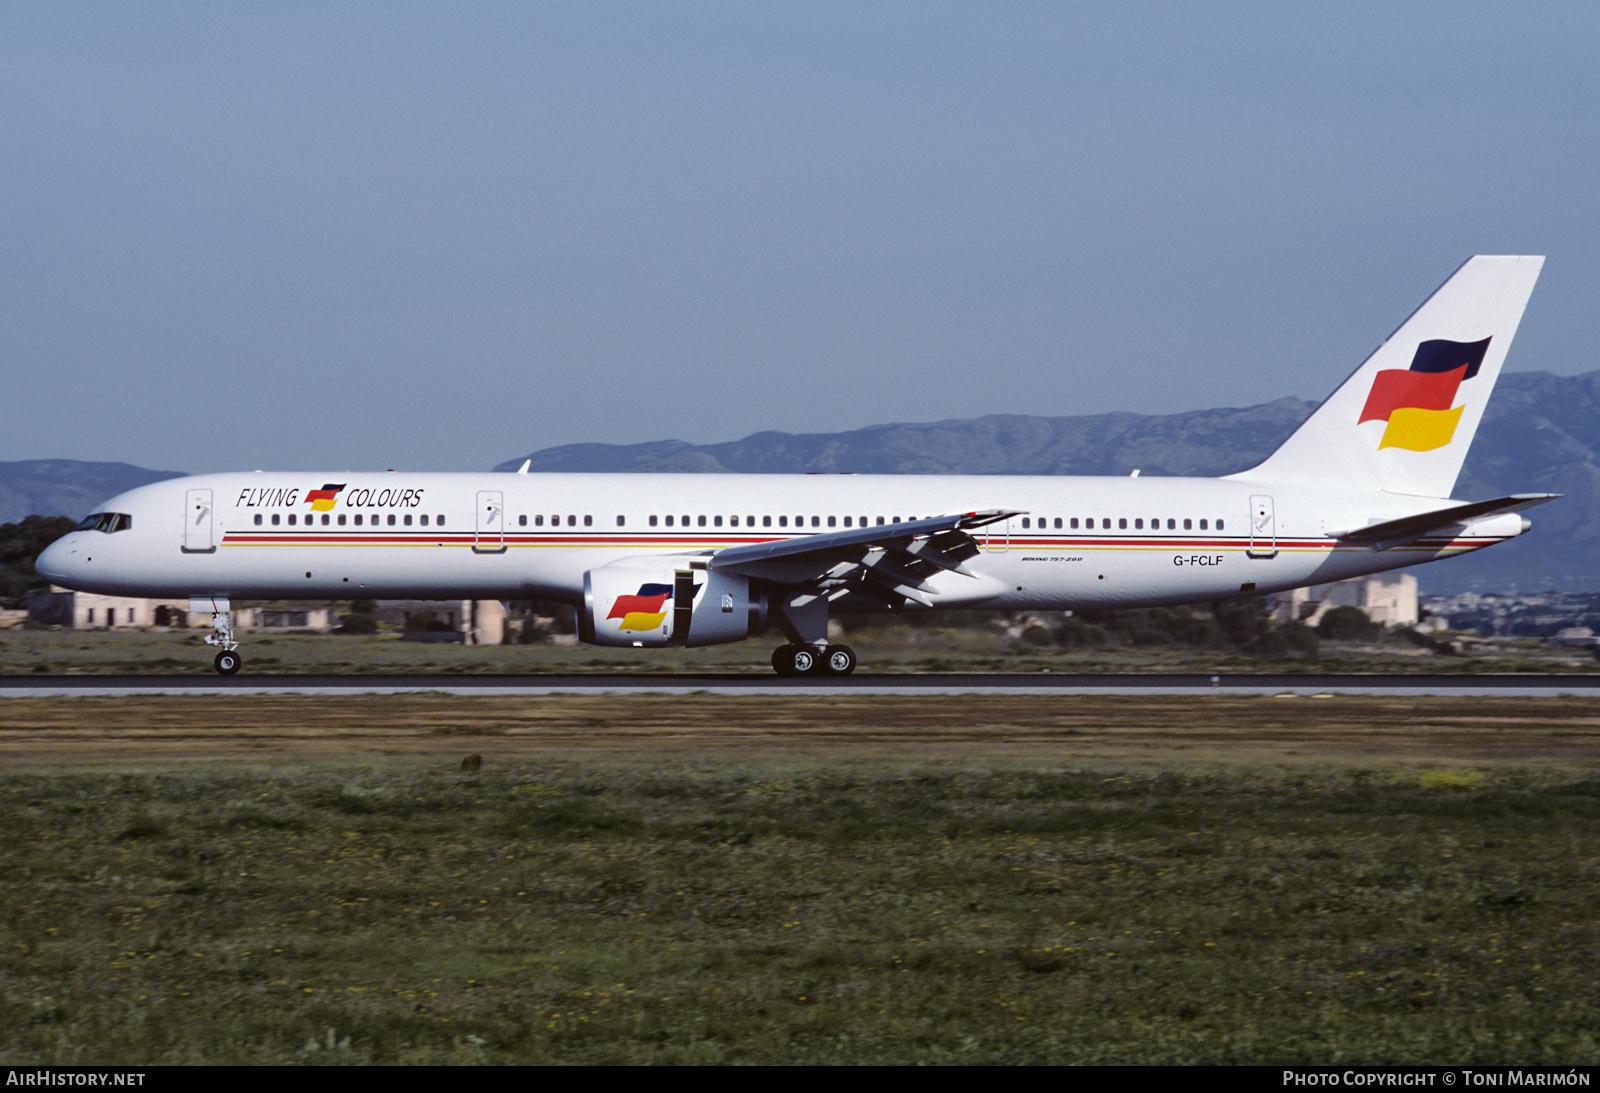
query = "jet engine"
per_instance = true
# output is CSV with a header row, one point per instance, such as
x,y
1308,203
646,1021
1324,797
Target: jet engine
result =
x,y
659,601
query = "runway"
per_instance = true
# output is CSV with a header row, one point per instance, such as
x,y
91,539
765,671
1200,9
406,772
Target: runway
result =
x,y
1531,686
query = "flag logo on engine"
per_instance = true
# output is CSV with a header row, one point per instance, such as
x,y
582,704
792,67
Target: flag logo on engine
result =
x,y
644,609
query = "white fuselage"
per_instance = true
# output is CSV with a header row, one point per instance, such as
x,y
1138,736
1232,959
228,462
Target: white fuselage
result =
x,y
1083,543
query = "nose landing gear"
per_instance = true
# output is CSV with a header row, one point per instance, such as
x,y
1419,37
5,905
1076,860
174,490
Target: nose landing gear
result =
x,y
228,662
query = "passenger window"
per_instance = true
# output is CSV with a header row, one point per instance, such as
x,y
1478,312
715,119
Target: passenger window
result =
x,y
653,521
341,519
258,519
588,521
325,519
701,521
1138,525
833,521
572,521
1188,524
1171,524
733,521
291,520
621,522
439,520
880,521
522,521
1202,525
407,519
669,521
274,519
1024,521
766,521
358,520
1219,525
894,519
538,520
1058,521
783,521
1074,521
717,520
391,519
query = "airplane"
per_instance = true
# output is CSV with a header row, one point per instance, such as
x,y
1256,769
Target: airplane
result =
x,y
653,560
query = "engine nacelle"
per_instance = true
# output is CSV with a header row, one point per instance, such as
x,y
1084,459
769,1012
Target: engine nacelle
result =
x,y
667,601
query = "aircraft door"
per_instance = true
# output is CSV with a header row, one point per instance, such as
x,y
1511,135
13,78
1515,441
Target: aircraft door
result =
x,y
198,522
997,537
1263,529
491,525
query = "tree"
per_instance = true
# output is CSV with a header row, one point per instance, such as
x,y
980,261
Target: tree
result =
x,y
1348,624
20,546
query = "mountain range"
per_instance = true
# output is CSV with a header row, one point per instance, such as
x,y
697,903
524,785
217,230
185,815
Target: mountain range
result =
x,y
1540,434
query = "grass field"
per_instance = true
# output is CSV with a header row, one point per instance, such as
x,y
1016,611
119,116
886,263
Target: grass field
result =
x,y
888,649
709,879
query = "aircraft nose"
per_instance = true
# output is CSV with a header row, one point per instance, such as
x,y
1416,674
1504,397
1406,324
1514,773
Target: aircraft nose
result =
x,y
55,562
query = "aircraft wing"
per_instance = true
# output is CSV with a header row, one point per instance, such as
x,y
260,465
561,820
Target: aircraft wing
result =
x,y
892,561
1393,532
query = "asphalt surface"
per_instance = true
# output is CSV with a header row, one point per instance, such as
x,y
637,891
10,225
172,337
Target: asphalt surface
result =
x,y
40,686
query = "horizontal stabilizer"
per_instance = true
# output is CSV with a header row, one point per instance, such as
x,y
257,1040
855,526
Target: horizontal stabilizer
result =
x,y
1409,527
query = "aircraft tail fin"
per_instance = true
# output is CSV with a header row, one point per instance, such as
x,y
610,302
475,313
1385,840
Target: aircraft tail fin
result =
x,y
1404,420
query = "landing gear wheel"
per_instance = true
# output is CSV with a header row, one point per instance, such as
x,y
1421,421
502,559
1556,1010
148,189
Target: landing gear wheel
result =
x,y
805,660
796,660
839,660
228,662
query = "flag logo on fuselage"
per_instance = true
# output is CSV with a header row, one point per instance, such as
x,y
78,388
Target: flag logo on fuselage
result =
x,y
323,500
1416,402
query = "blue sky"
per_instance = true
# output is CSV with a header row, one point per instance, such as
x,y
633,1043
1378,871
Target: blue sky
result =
x,y
435,236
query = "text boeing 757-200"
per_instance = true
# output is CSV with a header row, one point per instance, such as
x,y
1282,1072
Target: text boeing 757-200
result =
x,y
658,559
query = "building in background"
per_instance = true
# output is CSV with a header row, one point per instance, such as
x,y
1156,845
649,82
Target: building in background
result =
x,y
473,622
1389,599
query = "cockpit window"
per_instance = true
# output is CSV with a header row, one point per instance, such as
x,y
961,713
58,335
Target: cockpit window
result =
x,y
107,522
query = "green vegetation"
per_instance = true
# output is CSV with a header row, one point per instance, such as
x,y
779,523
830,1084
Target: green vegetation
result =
x,y
20,544
1348,624
581,908
882,649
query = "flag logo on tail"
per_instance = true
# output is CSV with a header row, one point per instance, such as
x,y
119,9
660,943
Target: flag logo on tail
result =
x,y
642,611
322,500
1416,402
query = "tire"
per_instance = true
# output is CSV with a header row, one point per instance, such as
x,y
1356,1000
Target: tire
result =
x,y
806,661
783,660
228,662
839,660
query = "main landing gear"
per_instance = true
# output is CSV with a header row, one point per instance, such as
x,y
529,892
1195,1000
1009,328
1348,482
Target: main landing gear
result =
x,y
812,660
